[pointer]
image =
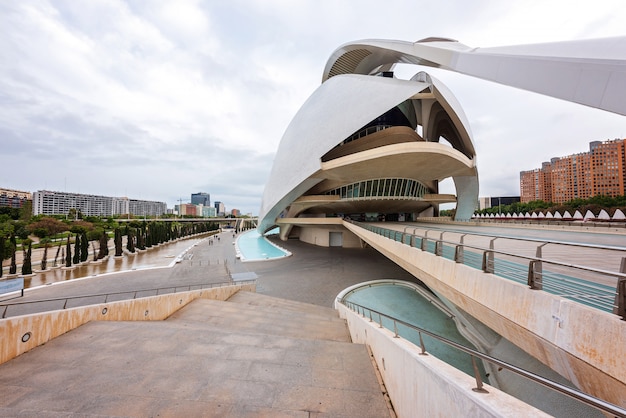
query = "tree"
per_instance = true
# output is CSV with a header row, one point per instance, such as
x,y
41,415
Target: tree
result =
x,y
47,227
27,267
104,245
13,268
1,253
84,247
68,253
26,211
44,257
57,254
20,229
80,226
118,242
76,259
130,245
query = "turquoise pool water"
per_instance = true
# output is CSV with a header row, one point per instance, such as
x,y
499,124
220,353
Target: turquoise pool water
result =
x,y
251,246
408,305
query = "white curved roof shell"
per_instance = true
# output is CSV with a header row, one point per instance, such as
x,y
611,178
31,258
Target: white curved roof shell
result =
x,y
591,72
338,108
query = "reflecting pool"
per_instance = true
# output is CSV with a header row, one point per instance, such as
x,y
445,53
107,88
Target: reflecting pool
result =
x,y
252,246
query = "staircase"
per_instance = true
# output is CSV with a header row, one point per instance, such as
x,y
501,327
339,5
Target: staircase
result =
x,y
253,355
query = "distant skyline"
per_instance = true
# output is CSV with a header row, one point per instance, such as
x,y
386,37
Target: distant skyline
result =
x,y
157,100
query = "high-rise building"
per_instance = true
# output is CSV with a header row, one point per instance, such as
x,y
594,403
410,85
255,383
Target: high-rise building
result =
x,y
536,184
201,199
601,171
220,208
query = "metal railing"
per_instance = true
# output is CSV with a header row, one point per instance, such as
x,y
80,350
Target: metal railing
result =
x,y
115,296
533,272
592,401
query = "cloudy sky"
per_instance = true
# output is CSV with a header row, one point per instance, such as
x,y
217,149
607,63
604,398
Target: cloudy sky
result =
x,y
158,99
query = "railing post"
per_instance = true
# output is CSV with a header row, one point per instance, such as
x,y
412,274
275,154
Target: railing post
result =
x,y
438,248
620,293
479,382
4,313
488,259
423,347
532,281
458,254
395,329
536,280
424,244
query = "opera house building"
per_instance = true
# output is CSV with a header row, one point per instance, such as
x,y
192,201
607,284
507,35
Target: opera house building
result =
x,y
369,146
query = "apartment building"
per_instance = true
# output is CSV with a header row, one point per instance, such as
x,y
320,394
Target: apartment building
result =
x,y
601,171
13,198
47,202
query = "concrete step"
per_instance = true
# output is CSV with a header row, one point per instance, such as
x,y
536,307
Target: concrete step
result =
x,y
261,320
187,366
257,299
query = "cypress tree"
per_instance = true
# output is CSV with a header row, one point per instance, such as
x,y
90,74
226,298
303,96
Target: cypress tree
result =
x,y
58,251
104,249
118,242
148,236
84,247
1,253
68,252
76,259
130,245
27,267
44,258
13,268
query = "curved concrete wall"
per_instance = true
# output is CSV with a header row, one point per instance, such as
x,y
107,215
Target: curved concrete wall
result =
x,y
424,386
43,327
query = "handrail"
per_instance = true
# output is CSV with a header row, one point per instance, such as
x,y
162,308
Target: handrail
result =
x,y
492,250
535,270
567,243
134,292
590,400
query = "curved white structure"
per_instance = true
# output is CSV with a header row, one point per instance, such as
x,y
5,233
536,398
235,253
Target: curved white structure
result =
x,y
359,132
591,72
363,127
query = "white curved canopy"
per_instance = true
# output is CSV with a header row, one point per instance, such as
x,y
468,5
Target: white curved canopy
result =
x,y
590,72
